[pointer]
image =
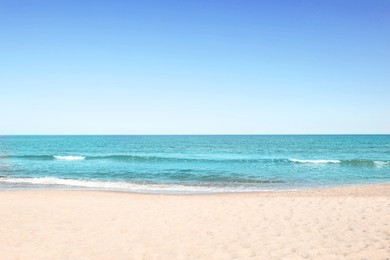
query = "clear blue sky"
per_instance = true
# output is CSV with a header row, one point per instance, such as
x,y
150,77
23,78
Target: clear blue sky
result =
x,y
194,67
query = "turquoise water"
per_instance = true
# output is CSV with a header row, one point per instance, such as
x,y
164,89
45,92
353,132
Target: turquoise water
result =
x,y
193,164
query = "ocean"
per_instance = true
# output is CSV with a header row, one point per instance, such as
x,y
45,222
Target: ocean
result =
x,y
191,164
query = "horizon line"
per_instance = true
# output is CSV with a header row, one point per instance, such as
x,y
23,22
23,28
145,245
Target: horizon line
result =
x,y
192,134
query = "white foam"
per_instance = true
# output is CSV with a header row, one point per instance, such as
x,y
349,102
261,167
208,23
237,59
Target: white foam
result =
x,y
129,186
381,163
314,161
69,158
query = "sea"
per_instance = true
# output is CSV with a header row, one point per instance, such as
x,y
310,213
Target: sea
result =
x,y
193,164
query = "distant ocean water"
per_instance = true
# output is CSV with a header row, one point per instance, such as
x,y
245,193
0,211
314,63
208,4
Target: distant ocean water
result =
x,y
193,164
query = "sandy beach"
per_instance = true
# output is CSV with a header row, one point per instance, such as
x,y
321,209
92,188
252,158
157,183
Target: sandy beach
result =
x,y
341,223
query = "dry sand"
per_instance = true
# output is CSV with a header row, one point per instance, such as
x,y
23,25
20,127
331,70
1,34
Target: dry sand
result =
x,y
343,223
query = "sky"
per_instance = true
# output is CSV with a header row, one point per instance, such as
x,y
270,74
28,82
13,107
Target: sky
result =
x,y
195,67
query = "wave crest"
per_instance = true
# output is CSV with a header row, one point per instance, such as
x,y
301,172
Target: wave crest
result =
x,y
314,161
69,158
156,159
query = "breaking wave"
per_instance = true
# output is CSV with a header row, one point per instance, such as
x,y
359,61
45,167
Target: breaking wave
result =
x,y
131,186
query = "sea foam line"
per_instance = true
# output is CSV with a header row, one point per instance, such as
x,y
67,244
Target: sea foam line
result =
x,y
130,186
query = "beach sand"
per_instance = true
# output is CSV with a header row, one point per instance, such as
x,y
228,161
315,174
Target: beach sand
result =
x,y
341,223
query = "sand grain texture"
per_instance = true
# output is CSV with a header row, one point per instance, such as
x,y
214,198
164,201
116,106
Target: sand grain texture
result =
x,y
343,223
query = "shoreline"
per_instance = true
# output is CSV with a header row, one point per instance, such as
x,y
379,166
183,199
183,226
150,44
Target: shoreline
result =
x,y
348,222
355,190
